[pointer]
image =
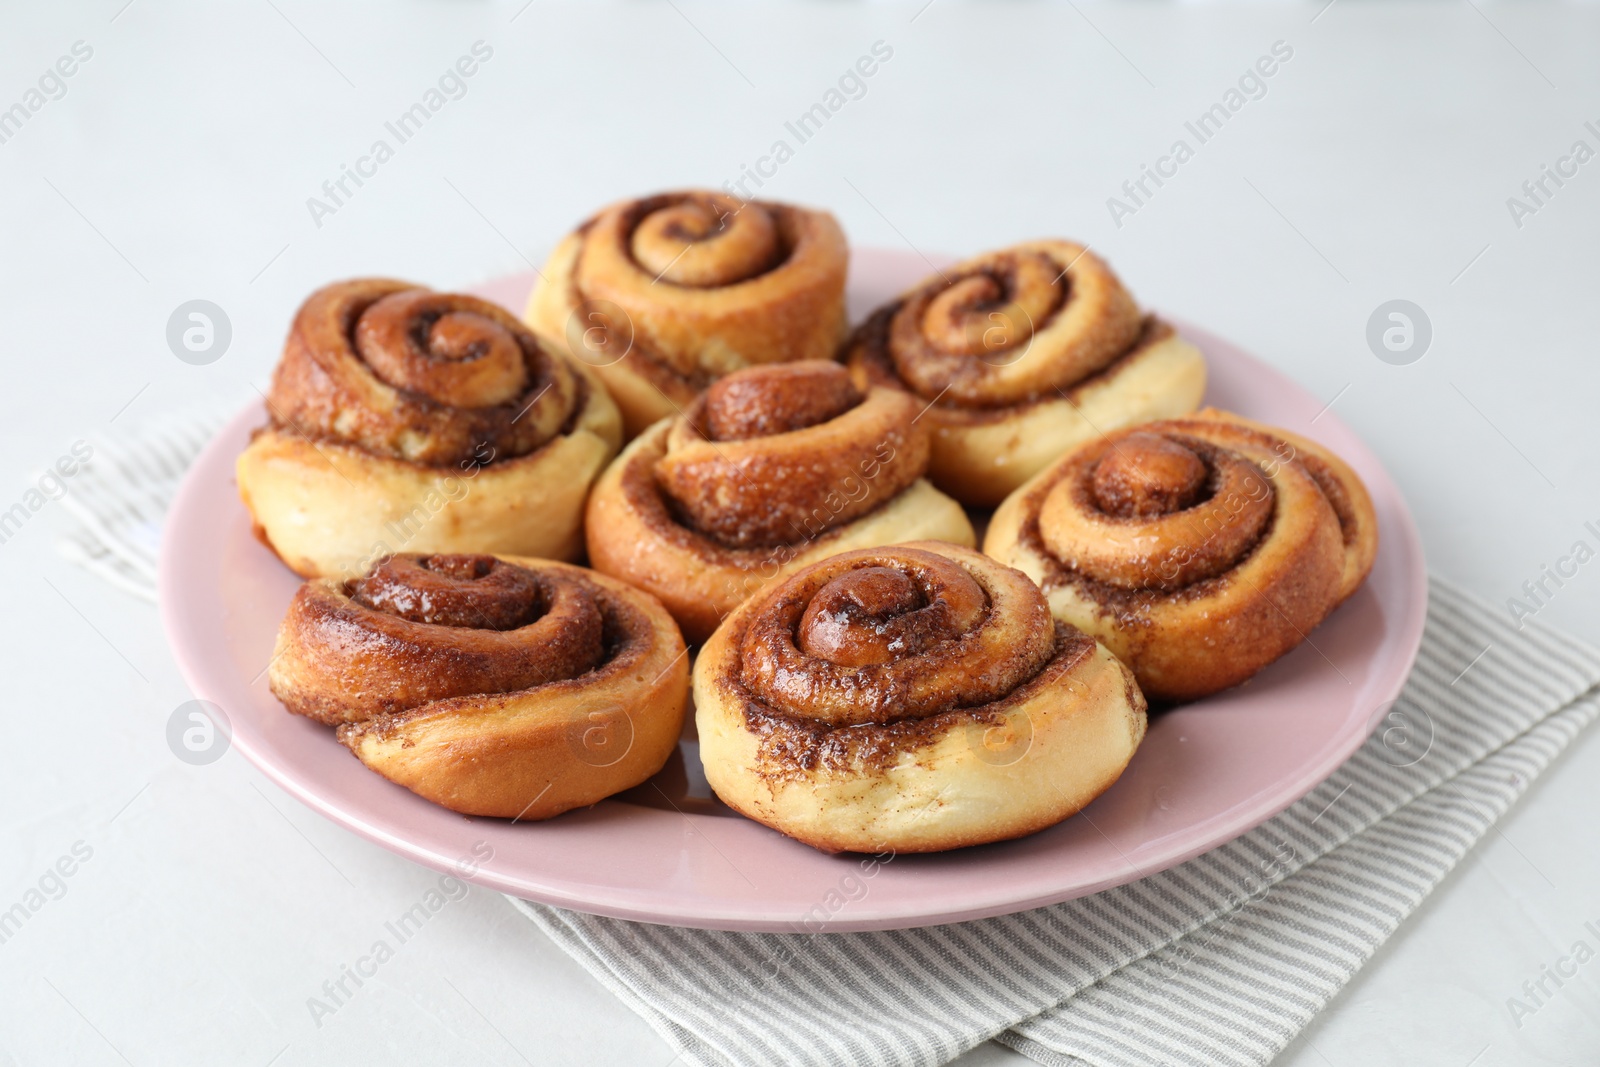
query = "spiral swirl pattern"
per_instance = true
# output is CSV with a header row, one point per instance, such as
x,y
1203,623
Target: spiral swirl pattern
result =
x,y
772,466
1158,512
887,634
1009,326
431,378
406,420
424,628
1199,550
1358,521
916,697
703,240
1017,355
431,658
757,459
665,294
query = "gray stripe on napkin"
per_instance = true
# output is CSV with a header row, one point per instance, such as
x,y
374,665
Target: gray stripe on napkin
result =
x,y
121,496
1239,995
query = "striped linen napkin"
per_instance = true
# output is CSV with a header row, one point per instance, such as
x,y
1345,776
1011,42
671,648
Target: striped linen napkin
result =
x,y
1219,961
122,493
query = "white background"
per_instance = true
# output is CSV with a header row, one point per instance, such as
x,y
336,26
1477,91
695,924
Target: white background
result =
x,y
178,165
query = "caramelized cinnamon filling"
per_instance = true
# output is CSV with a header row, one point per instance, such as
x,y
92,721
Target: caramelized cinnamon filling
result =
x,y
421,342
866,617
602,334
881,635
871,361
703,240
420,629
790,747
779,454
666,288
778,399
1148,475
1006,328
949,334
438,379
1336,492
988,311
479,592
1155,510
483,614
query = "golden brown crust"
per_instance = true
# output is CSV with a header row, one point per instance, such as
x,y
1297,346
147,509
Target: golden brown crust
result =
x,y
440,416
773,467
917,698
1009,326
752,463
1340,484
432,378
1199,550
497,686
1017,356
663,295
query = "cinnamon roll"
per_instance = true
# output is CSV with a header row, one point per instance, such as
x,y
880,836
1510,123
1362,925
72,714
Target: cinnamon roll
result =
x,y
773,468
1198,550
402,419
665,294
915,698
1019,356
500,686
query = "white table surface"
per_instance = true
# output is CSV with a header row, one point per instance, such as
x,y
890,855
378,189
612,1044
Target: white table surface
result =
x,y
177,166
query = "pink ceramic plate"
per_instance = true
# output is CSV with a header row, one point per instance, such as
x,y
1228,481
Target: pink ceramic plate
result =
x,y
669,853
